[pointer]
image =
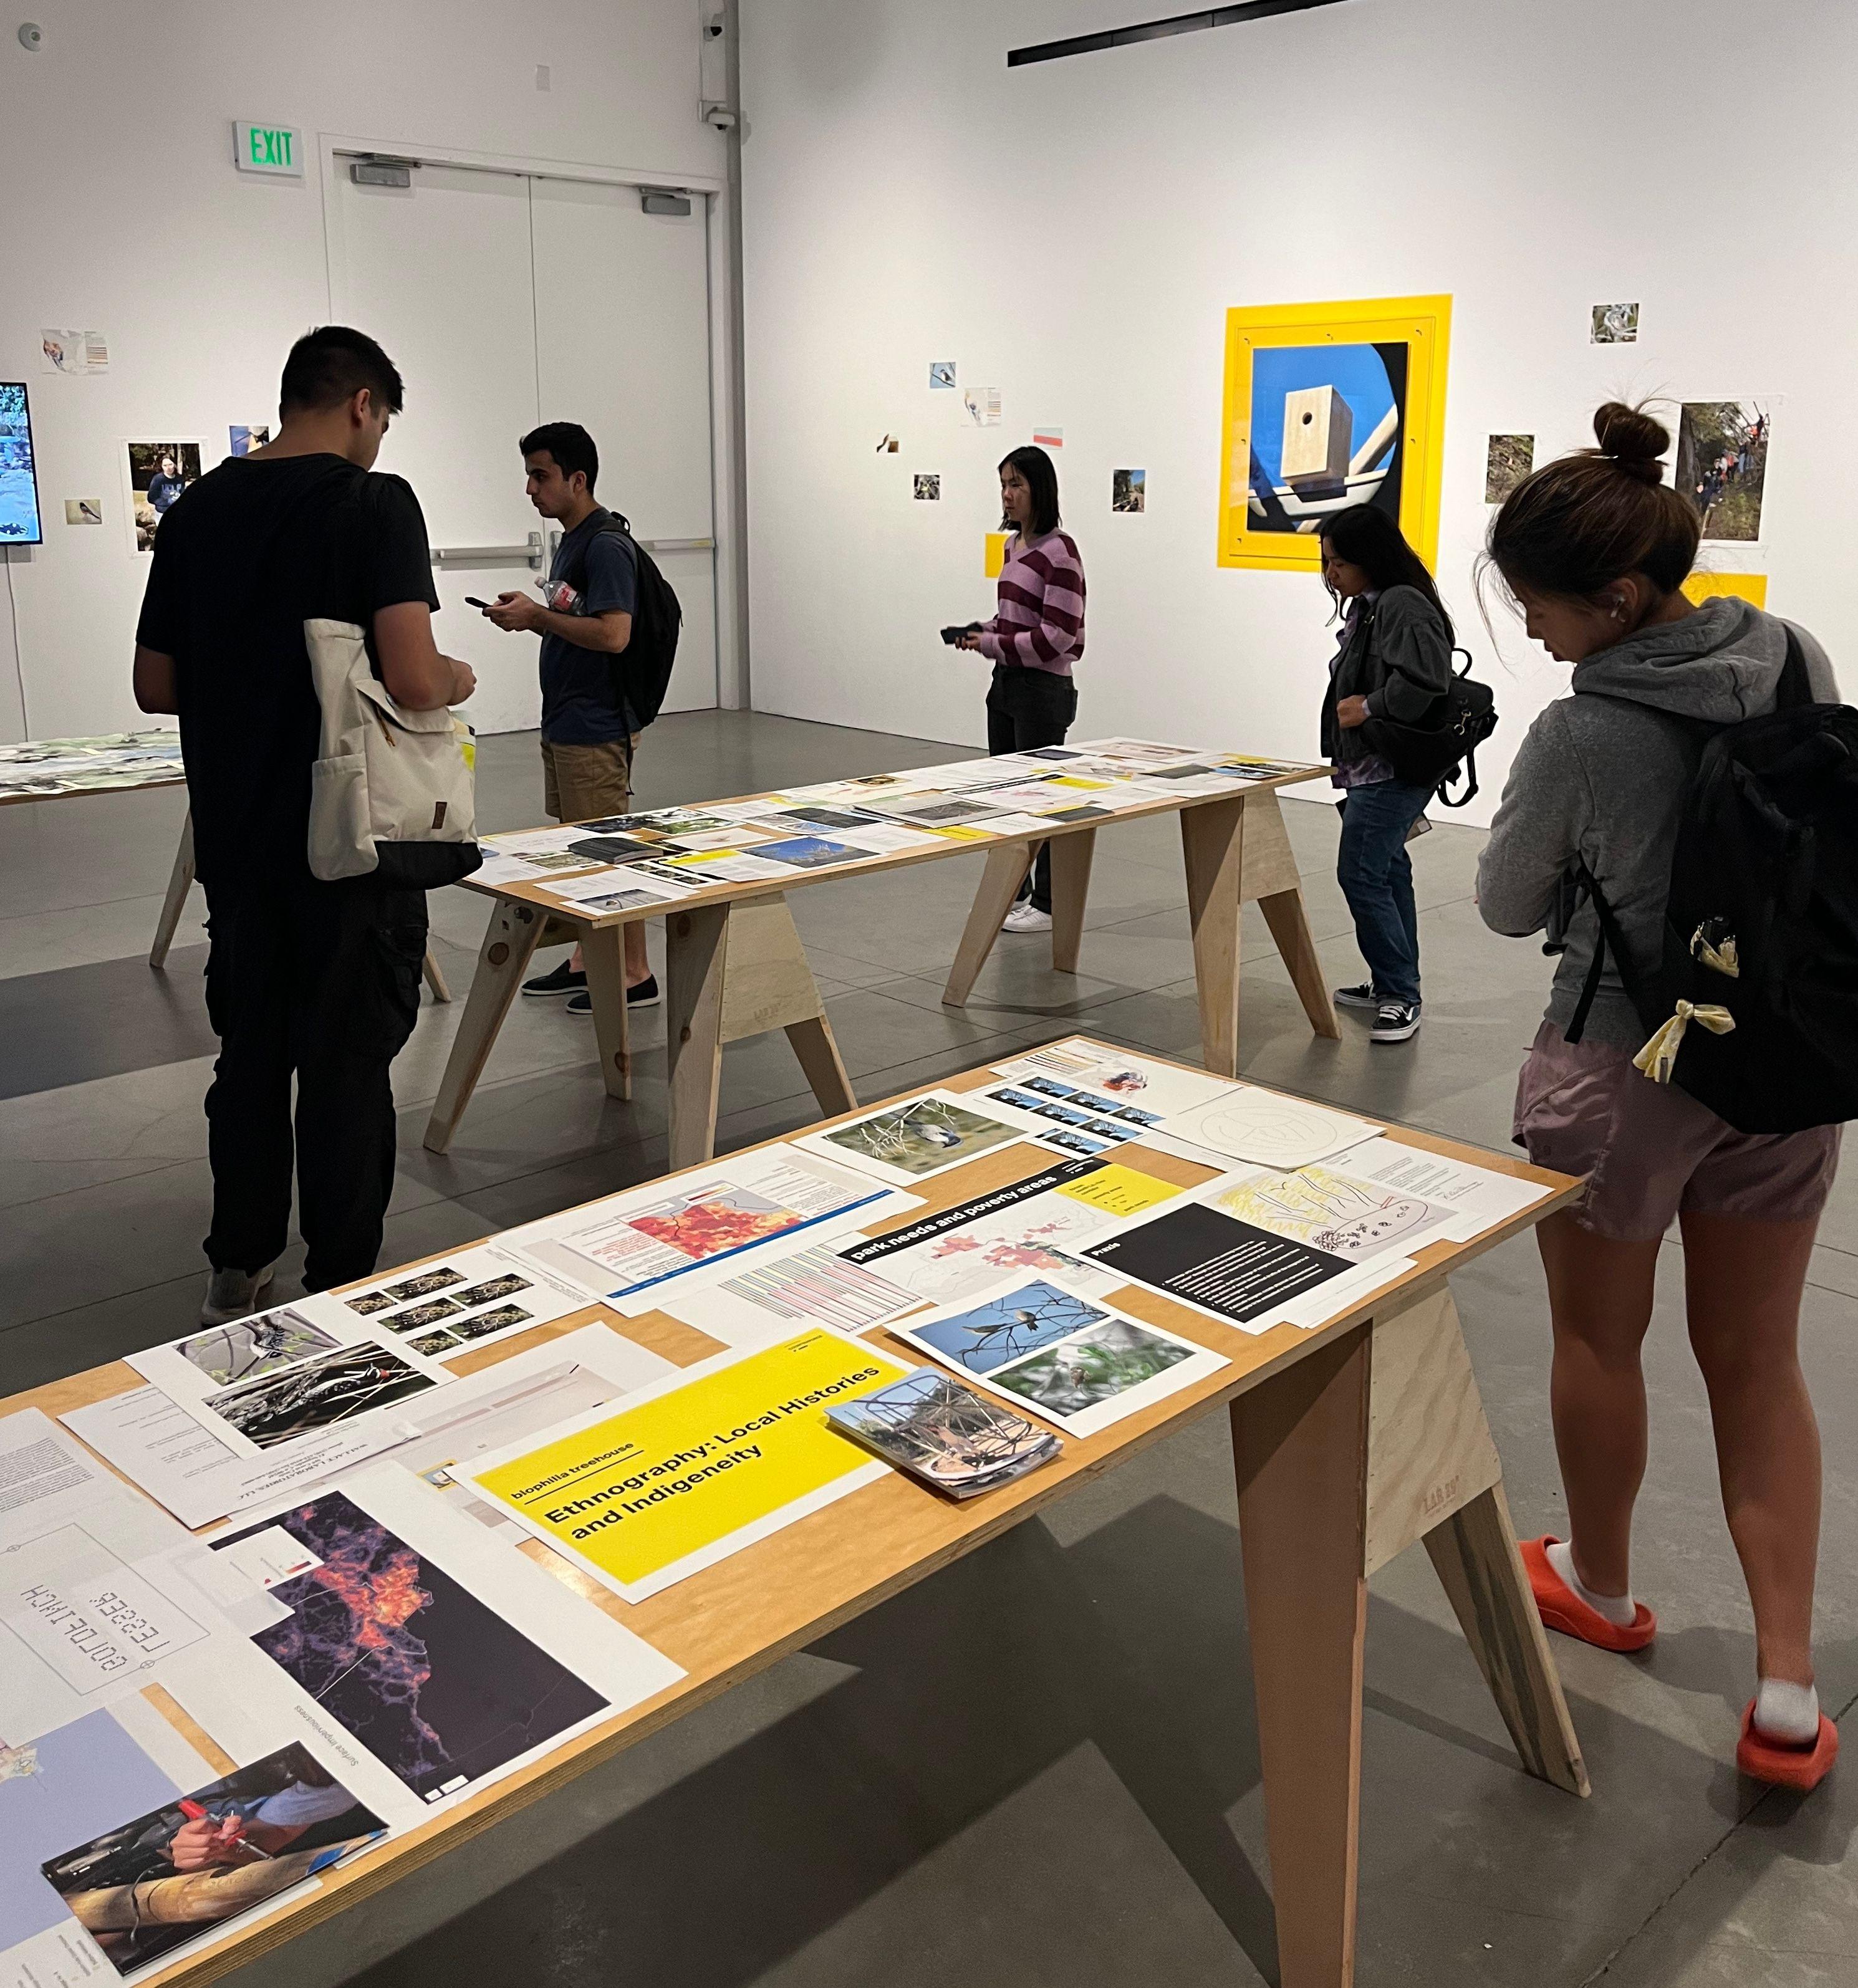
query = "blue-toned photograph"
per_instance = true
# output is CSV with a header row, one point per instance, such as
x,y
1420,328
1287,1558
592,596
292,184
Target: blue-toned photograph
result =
x,y
809,852
20,523
1006,1327
1325,432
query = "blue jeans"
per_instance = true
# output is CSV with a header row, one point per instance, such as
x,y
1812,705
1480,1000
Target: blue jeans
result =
x,y
1376,874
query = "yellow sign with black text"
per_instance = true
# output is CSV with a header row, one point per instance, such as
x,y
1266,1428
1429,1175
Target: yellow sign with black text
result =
x,y
702,1467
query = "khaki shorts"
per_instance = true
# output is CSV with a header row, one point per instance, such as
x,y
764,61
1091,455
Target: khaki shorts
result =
x,y
1651,1150
587,782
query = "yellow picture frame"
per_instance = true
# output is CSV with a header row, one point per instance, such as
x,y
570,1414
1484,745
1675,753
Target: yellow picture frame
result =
x,y
1411,338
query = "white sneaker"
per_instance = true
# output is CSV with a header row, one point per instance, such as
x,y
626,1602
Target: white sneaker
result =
x,y
231,1294
1025,917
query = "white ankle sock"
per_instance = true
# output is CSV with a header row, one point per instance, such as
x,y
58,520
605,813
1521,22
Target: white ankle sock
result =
x,y
1788,1713
1620,1610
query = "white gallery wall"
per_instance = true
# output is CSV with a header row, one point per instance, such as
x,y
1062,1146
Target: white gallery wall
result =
x,y
1074,232
124,213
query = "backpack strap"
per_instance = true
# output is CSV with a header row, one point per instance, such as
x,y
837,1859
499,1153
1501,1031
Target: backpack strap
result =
x,y
1795,688
1610,940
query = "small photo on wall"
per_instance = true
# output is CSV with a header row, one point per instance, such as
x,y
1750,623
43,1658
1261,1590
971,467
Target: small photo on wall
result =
x,y
1128,490
1722,464
1615,324
929,489
1510,458
83,510
246,436
154,474
941,374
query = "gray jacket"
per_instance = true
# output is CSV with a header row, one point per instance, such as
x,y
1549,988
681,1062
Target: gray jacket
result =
x,y
1400,660
1605,780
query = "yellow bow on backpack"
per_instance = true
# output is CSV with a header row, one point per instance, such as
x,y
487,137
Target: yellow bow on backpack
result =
x,y
1658,1055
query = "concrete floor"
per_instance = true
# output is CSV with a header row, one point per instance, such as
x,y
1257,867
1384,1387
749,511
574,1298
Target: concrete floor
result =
x,y
1040,1766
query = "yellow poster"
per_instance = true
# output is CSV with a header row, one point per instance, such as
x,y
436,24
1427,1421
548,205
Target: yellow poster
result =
x,y
705,1464
995,561
1118,1190
1749,587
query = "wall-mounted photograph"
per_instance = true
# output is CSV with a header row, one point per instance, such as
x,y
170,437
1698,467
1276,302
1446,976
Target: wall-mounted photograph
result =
x,y
1508,460
1722,464
1128,490
1329,406
154,474
929,489
1614,324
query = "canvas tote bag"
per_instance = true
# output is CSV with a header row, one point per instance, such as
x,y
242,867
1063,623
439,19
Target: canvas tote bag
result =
x,y
392,791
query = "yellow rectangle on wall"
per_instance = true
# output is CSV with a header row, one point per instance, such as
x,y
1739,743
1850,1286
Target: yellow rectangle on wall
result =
x,y
1749,587
997,553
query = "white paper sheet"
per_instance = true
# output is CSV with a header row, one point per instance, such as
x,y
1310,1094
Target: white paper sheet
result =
x,y
918,1138
100,1593
467,1299
671,1235
380,1670
1059,1353
199,1478
1479,1197
1270,1128
1330,1207
1108,1077
618,889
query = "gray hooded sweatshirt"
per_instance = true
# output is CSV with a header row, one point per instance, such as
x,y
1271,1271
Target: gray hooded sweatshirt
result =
x,y
1606,780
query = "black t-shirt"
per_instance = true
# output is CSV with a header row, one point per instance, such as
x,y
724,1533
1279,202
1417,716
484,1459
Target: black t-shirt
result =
x,y
245,556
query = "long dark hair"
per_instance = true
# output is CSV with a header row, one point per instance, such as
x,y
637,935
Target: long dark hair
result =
x,y
1369,538
1587,519
1041,477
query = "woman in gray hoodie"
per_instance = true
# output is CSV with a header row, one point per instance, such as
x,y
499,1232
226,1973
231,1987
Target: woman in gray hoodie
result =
x,y
1594,549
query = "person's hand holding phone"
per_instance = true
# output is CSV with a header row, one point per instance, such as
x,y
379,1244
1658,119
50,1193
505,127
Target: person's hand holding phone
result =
x,y
515,613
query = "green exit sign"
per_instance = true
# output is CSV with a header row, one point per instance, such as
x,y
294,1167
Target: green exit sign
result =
x,y
267,148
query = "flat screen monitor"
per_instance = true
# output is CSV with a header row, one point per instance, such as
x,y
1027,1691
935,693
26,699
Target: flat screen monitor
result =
x,y
20,523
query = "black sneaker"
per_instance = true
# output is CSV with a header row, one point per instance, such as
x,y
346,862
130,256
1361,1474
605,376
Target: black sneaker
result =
x,y
565,979
1363,996
641,994
1395,1021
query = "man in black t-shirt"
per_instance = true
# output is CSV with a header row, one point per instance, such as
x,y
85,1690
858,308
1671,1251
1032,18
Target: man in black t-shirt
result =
x,y
305,978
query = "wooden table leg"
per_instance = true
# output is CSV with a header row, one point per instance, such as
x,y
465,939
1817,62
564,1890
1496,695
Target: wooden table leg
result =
x,y
180,882
696,951
1007,863
1475,1555
602,951
1213,842
1070,860
509,943
813,1043
1290,926
1300,1442
435,977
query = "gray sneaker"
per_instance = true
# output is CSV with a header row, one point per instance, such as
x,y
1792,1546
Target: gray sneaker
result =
x,y
231,1294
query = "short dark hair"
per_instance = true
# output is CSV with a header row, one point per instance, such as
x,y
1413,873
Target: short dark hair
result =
x,y
571,446
1041,477
332,364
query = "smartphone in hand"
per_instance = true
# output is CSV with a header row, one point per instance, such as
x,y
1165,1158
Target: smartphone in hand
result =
x,y
471,601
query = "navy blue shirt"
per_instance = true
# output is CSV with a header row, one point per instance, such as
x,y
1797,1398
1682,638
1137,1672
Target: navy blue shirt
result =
x,y
583,700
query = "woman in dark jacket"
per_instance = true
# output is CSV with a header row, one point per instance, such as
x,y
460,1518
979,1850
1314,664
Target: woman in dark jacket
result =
x,y
1394,660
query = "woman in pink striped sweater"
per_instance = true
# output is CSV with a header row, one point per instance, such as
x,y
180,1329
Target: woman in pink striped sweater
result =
x,y
1033,640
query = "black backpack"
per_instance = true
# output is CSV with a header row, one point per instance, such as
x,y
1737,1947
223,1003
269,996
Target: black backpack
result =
x,y
645,663
1435,753
1755,994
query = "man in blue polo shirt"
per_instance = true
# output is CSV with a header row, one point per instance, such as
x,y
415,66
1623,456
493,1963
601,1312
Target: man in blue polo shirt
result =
x,y
588,732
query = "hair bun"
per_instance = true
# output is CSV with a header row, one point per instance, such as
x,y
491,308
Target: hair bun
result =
x,y
1632,441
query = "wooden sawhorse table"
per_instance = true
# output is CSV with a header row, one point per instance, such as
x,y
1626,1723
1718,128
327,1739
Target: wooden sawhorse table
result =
x,y
735,966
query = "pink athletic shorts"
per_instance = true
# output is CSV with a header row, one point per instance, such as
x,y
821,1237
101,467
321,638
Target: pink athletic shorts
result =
x,y
1651,1150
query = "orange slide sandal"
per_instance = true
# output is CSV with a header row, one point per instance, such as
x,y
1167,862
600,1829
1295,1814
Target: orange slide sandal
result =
x,y
1561,1608
1782,1765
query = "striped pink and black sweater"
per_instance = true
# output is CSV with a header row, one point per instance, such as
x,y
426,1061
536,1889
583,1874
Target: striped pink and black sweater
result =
x,y
1040,625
